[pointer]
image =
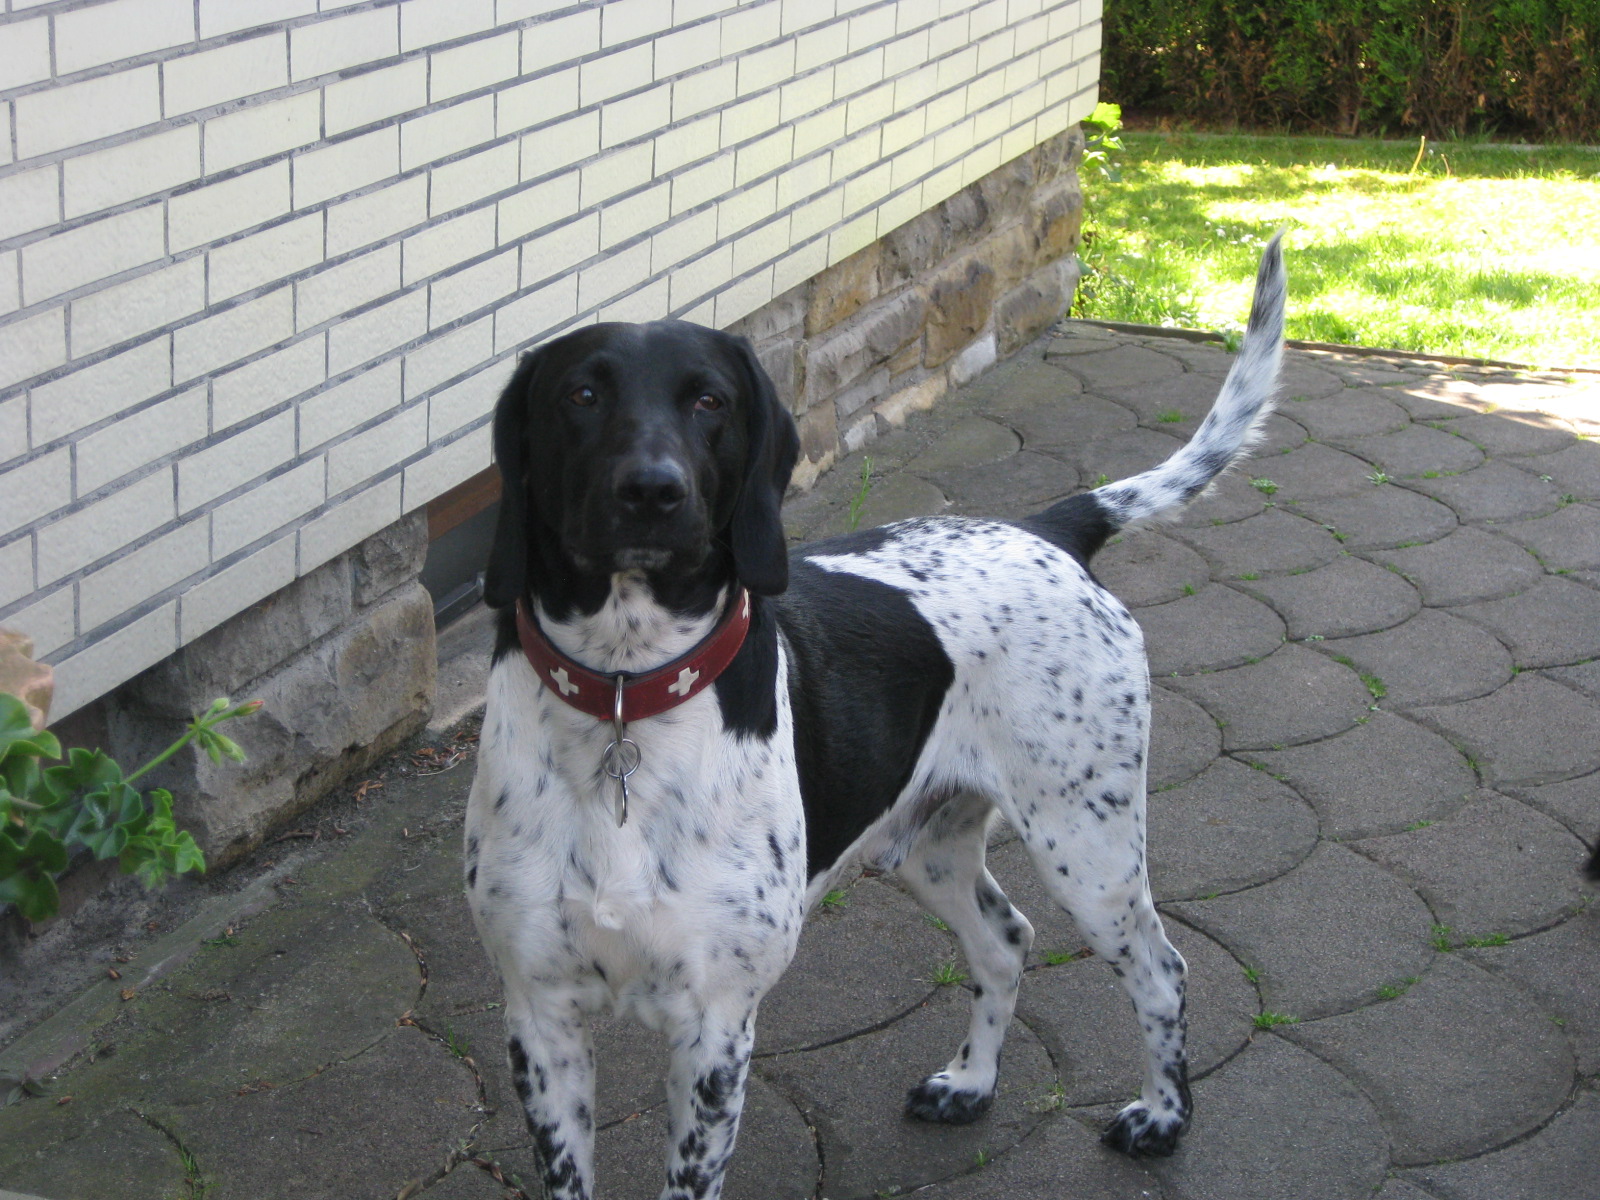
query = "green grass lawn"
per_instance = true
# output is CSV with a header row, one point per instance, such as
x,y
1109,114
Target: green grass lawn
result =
x,y
1483,252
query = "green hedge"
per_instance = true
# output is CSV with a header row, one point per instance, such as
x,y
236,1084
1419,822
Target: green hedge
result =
x,y
1504,67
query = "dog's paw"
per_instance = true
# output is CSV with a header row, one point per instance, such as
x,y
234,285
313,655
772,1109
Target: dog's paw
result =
x,y
937,1098
1136,1130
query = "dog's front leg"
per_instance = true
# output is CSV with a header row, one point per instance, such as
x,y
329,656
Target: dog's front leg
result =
x,y
552,1069
705,1093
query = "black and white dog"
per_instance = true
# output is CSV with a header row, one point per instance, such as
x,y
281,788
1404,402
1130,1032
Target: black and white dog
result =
x,y
692,734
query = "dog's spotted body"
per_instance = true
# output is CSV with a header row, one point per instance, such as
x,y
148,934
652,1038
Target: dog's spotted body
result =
x,y
898,687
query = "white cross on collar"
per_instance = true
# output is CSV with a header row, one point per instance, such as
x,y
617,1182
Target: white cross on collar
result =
x,y
563,681
686,678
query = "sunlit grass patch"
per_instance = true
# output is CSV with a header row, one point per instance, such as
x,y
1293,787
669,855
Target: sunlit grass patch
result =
x,y
1486,252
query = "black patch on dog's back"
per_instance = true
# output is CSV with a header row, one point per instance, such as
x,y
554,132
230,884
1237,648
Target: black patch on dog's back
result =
x,y
867,679
1078,525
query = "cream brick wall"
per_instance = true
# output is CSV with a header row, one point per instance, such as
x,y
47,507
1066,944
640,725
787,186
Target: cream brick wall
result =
x,y
265,263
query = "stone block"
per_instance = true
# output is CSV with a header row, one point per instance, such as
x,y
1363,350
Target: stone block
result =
x,y
919,397
819,442
782,316
845,354
842,290
1010,252
965,215
1056,218
1007,189
248,646
781,359
389,558
1031,307
913,249
327,711
960,300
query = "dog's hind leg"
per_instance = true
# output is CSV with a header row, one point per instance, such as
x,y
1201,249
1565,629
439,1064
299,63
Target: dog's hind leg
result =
x,y
945,871
552,1070
1091,859
710,1065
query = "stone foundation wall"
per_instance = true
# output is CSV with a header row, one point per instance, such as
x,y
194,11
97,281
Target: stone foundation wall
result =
x,y
928,307
344,659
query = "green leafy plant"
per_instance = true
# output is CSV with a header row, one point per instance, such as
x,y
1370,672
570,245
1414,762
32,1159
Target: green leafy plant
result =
x,y
1100,129
49,813
838,898
947,974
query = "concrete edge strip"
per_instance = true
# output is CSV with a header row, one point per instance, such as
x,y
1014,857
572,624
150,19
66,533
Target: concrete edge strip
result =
x,y
1201,335
49,1045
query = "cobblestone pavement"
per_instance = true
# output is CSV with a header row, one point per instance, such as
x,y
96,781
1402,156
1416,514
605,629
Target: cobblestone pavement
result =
x,y
1377,665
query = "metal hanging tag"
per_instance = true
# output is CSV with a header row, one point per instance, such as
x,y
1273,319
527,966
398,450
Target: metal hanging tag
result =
x,y
621,758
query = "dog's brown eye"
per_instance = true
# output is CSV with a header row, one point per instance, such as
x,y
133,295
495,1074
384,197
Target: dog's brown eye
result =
x,y
707,403
583,397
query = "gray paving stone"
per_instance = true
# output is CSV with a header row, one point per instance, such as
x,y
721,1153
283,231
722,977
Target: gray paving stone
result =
x,y
1437,1102
842,952
1079,337
1371,373
1024,382
1203,357
1312,472
1467,565
1557,1163
298,1139
1143,567
1326,936
1276,1124
1395,1188
1273,543
1354,412
1120,455
1023,484
1543,966
1188,394
1573,802
1295,695
1230,499
853,1094
296,988
1348,596
1434,658
1060,1154
96,1152
1068,425
1409,452
1123,366
1082,1015
1552,624
775,1155
1436,399
1575,470
1380,777
1531,731
891,498
1585,677
1495,491
1506,431
1381,518
460,976
1567,539
1183,739
1217,627
966,442
1228,828
1303,376
1495,866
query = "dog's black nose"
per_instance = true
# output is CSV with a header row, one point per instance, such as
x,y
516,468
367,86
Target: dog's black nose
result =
x,y
652,487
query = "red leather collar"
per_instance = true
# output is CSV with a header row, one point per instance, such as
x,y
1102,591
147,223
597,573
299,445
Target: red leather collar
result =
x,y
645,694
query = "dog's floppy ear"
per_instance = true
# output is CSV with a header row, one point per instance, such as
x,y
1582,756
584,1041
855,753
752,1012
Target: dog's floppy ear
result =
x,y
507,574
760,557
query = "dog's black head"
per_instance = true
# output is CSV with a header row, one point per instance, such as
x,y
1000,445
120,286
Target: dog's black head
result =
x,y
658,447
